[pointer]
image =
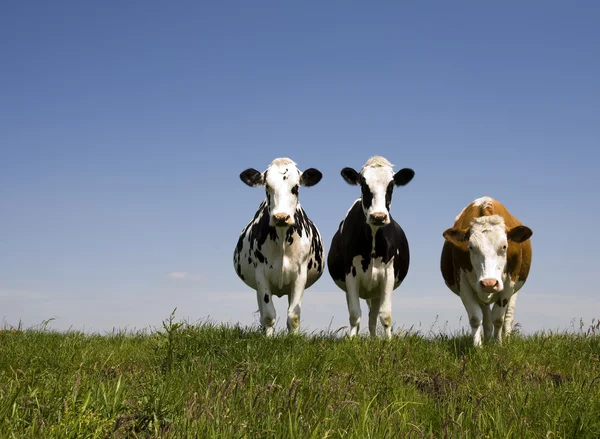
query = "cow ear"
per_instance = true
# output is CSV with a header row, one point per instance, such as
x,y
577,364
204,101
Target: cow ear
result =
x,y
252,177
456,236
403,176
350,176
310,177
519,234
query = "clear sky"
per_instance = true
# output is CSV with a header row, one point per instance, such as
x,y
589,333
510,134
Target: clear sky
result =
x,y
124,127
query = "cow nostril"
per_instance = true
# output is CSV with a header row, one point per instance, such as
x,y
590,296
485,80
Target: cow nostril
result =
x,y
378,217
489,284
281,218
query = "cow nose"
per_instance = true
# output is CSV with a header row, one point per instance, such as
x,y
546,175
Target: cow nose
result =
x,y
378,218
489,284
281,219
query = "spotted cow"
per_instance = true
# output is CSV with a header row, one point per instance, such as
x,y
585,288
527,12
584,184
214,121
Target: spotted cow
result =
x,y
369,253
485,260
280,252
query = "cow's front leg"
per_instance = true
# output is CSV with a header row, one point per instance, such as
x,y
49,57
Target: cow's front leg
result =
x,y
469,300
488,326
499,313
385,310
265,305
374,305
295,301
510,314
353,300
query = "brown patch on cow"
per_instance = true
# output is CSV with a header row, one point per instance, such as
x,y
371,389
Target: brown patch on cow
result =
x,y
455,256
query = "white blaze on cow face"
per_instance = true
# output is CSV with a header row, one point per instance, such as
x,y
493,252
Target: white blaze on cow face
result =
x,y
488,245
377,181
281,180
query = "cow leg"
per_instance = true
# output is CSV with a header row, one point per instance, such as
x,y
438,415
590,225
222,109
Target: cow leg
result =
x,y
265,306
509,316
499,313
295,302
469,300
373,314
353,300
488,326
385,310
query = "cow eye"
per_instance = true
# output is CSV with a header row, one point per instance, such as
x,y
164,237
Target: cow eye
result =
x,y
504,247
295,190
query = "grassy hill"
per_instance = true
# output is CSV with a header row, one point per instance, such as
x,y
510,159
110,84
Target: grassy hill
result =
x,y
231,382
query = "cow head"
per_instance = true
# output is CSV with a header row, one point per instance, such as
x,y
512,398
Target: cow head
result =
x,y
281,181
489,243
377,181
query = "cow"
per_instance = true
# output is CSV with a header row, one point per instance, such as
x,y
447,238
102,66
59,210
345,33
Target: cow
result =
x,y
280,252
486,259
369,254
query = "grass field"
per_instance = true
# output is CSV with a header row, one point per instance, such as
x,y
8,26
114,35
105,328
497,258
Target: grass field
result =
x,y
231,382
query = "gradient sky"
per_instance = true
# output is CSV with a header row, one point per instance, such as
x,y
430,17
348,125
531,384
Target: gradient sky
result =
x,y
124,127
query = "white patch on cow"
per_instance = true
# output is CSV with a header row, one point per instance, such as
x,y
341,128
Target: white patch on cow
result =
x,y
483,201
373,280
378,162
282,177
487,249
378,173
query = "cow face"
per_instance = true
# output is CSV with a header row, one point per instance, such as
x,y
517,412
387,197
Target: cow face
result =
x,y
281,180
489,244
377,181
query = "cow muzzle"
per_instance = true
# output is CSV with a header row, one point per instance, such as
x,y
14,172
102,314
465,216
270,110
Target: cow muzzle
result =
x,y
282,219
378,218
489,286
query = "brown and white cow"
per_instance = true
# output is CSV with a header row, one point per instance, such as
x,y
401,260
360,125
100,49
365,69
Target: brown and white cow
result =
x,y
486,259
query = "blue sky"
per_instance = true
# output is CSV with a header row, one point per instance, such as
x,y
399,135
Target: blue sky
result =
x,y
124,127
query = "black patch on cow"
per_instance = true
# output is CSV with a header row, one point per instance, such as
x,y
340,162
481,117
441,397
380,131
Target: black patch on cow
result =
x,y
367,195
266,298
502,302
295,190
356,239
403,176
310,177
350,176
259,230
261,258
388,195
252,177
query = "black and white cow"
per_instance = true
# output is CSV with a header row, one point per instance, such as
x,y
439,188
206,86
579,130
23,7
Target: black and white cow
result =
x,y
280,252
369,254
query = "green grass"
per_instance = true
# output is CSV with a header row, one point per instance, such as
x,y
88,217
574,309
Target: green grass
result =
x,y
231,382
